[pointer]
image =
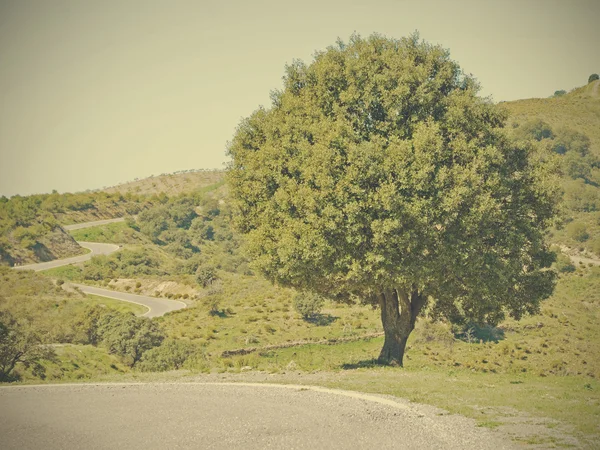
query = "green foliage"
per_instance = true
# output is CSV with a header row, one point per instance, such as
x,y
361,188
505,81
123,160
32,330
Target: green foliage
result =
x,y
564,264
170,355
580,196
378,167
593,77
308,304
20,344
535,129
578,231
130,262
206,275
559,93
115,233
129,336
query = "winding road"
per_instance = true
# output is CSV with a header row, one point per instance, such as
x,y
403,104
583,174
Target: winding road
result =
x,y
156,306
149,416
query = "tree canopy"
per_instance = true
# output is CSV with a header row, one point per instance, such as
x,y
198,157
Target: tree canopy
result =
x,y
379,174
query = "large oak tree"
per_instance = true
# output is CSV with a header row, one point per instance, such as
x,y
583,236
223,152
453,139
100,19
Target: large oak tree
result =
x,y
379,174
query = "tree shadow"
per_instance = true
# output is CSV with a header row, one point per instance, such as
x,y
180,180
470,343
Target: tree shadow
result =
x,y
321,320
366,364
219,313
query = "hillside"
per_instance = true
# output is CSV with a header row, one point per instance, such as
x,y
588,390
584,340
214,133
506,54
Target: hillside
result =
x,y
171,184
568,128
578,110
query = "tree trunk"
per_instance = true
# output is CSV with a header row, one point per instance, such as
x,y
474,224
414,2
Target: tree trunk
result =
x,y
398,315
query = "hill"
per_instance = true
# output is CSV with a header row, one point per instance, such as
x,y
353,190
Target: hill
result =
x,y
183,182
578,110
567,127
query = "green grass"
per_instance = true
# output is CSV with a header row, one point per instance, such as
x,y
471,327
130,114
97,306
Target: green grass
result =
x,y
113,233
77,363
69,273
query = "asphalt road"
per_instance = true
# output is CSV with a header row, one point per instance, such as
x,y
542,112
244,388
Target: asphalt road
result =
x,y
79,226
225,416
94,247
156,306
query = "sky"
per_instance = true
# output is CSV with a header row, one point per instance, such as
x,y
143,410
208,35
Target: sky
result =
x,y
94,93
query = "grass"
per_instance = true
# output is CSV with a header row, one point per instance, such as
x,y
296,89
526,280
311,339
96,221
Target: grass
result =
x,y
170,184
113,233
579,110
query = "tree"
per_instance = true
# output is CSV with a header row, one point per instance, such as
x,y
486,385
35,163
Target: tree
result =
x,y
593,77
129,336
20,344
378,174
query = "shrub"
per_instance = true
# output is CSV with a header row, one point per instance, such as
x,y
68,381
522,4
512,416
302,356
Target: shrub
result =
x,y
578,231
20,344
308,304
593,77
170,355
206,275
564,264
129,336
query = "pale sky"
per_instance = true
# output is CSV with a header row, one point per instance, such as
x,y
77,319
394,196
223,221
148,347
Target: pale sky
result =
x,y
93,93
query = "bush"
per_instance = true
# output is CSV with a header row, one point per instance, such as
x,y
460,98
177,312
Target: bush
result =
x,y
593,77
129,336
170,355
578,231
20,344
308,304
206,275
564,264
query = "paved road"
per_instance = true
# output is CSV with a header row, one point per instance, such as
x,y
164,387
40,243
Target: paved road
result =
x,y
156,306
79,226
94,247
225,416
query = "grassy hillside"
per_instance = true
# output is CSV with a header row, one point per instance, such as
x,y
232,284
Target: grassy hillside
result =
x,y
568,127
171,184
578,110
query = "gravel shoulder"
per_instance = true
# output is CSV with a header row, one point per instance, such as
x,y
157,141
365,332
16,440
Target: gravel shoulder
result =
x,y
224,415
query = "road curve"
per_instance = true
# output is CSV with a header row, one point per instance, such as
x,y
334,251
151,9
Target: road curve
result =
x,y
156,306
95,249
226,416
79,226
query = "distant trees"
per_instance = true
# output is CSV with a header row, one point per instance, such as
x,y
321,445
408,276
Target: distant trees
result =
x,y
577,161
593,77
559,93
535,129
